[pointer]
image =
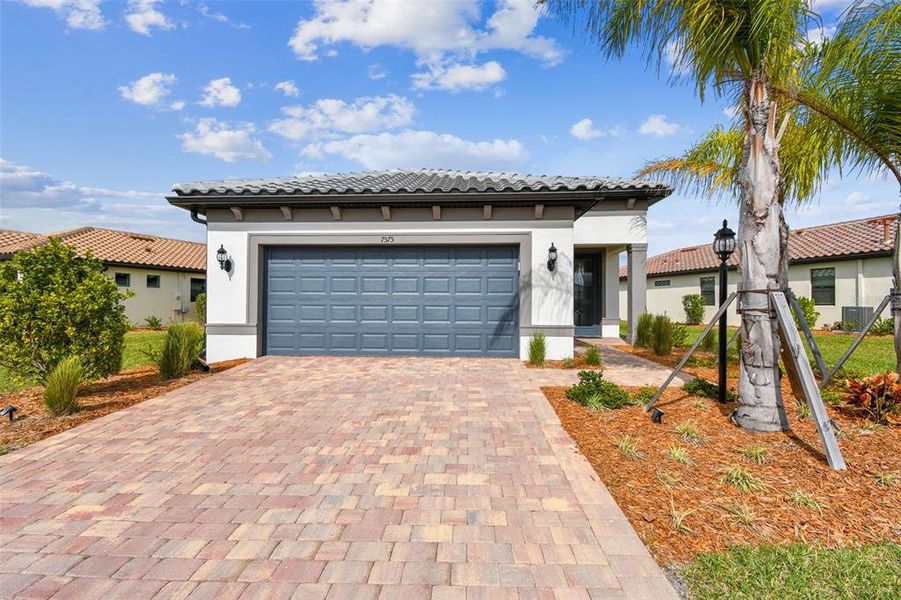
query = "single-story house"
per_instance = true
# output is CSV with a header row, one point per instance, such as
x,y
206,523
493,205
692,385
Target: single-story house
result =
x,y
417,262
846,268
166,275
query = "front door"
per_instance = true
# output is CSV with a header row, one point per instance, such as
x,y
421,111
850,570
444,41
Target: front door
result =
x,y
586,295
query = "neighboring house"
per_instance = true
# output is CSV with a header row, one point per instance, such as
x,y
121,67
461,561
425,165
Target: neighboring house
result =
x,y
165,274
425,262
846,268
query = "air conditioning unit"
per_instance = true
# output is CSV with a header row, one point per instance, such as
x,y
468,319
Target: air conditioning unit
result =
x,y
857,316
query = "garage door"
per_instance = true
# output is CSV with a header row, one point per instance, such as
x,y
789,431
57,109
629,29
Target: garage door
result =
x,y
398,300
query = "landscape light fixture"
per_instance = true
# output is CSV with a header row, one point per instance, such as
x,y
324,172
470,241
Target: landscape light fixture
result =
x,y
551,257
225,262
723,246
657,415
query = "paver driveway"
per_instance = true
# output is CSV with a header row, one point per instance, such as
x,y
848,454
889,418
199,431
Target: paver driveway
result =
x,y
321,477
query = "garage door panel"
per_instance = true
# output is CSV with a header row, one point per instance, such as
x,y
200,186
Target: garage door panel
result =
x,y
398,300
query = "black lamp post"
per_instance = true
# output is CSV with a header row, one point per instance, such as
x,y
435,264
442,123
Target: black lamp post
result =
x,y
723,245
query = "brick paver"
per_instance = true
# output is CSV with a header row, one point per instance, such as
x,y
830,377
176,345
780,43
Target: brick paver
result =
x,y
321,478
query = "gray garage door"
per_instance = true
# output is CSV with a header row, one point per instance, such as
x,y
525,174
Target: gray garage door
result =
x,y
398,300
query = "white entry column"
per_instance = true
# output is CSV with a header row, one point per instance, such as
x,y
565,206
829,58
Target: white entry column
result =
x,y
637,285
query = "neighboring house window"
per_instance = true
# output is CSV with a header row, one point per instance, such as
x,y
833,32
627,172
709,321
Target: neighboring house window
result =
x,y
153,281
123,279
708,290
198,286
661,282
822,285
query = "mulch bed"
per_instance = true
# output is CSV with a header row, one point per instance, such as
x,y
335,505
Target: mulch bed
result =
x,y
857,509
578,362
97,399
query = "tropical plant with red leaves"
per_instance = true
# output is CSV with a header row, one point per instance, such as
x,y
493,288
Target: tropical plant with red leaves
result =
x,y
879,397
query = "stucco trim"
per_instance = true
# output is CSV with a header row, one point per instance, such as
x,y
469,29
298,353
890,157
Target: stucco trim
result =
x,y
231,328
556,330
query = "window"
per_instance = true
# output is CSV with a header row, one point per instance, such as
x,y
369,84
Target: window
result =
x,y
198,286
153,281
661,282
822,285
123,279
708,290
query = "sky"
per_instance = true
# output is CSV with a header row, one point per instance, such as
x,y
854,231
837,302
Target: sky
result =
x,y
104,106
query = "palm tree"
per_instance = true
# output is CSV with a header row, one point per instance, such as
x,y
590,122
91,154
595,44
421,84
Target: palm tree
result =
x,y
846,112
751,50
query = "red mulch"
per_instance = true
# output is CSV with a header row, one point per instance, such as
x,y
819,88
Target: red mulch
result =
x,y
578,363
97,399
858,509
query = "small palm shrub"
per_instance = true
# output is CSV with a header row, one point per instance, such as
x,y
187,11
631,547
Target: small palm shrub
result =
x,y
200,308
568,363
596,392
689,432
755,454
742,480
593,356
628,446
802,499
877,397
537,348
809,308
181,348
643,330
694,308
153,322
665,334
885,326
61,387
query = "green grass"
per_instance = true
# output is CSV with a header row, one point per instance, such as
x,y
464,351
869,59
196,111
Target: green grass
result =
x,y
796,571
132,356
876,354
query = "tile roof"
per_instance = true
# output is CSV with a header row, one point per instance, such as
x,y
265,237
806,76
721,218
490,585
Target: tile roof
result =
x,y
416,181
870,236
119,247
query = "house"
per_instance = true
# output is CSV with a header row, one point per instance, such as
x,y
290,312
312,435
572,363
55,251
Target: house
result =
x,y
846,268
165,275
421,262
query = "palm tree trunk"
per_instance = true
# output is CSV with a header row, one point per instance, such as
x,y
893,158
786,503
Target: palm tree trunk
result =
x,y
762,237
896,284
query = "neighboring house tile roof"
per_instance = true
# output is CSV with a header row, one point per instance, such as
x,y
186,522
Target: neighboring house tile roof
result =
x,y
118,247
873,236
427,181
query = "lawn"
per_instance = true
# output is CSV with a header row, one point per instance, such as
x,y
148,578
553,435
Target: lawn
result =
x,y
134,355
876,354
797,571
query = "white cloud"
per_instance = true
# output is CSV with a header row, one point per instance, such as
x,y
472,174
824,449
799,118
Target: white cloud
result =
x,y
818,35
457,77
79,14
410,149
329,116
732,111
230,143
659,126
143,16
585,130
675,55
857,197
150,90
288,88
439,33
207,12
376,72
221,92
177,105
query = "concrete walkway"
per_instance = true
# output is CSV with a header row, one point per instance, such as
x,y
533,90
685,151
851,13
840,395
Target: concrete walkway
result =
x,y
321,478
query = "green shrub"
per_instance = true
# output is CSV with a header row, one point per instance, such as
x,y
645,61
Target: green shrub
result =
x,y
643,330
709,343
694,308
181,348
537,348
809,308
644,394
593,356
62,386
701,387
665,334
200,308
568,363
885,326
54,304
154,322
596,392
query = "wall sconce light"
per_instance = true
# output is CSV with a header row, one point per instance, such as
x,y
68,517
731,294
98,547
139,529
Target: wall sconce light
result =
x,y
551,258
225,262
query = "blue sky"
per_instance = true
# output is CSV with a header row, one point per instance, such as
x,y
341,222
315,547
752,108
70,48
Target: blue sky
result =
x,y
105,105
